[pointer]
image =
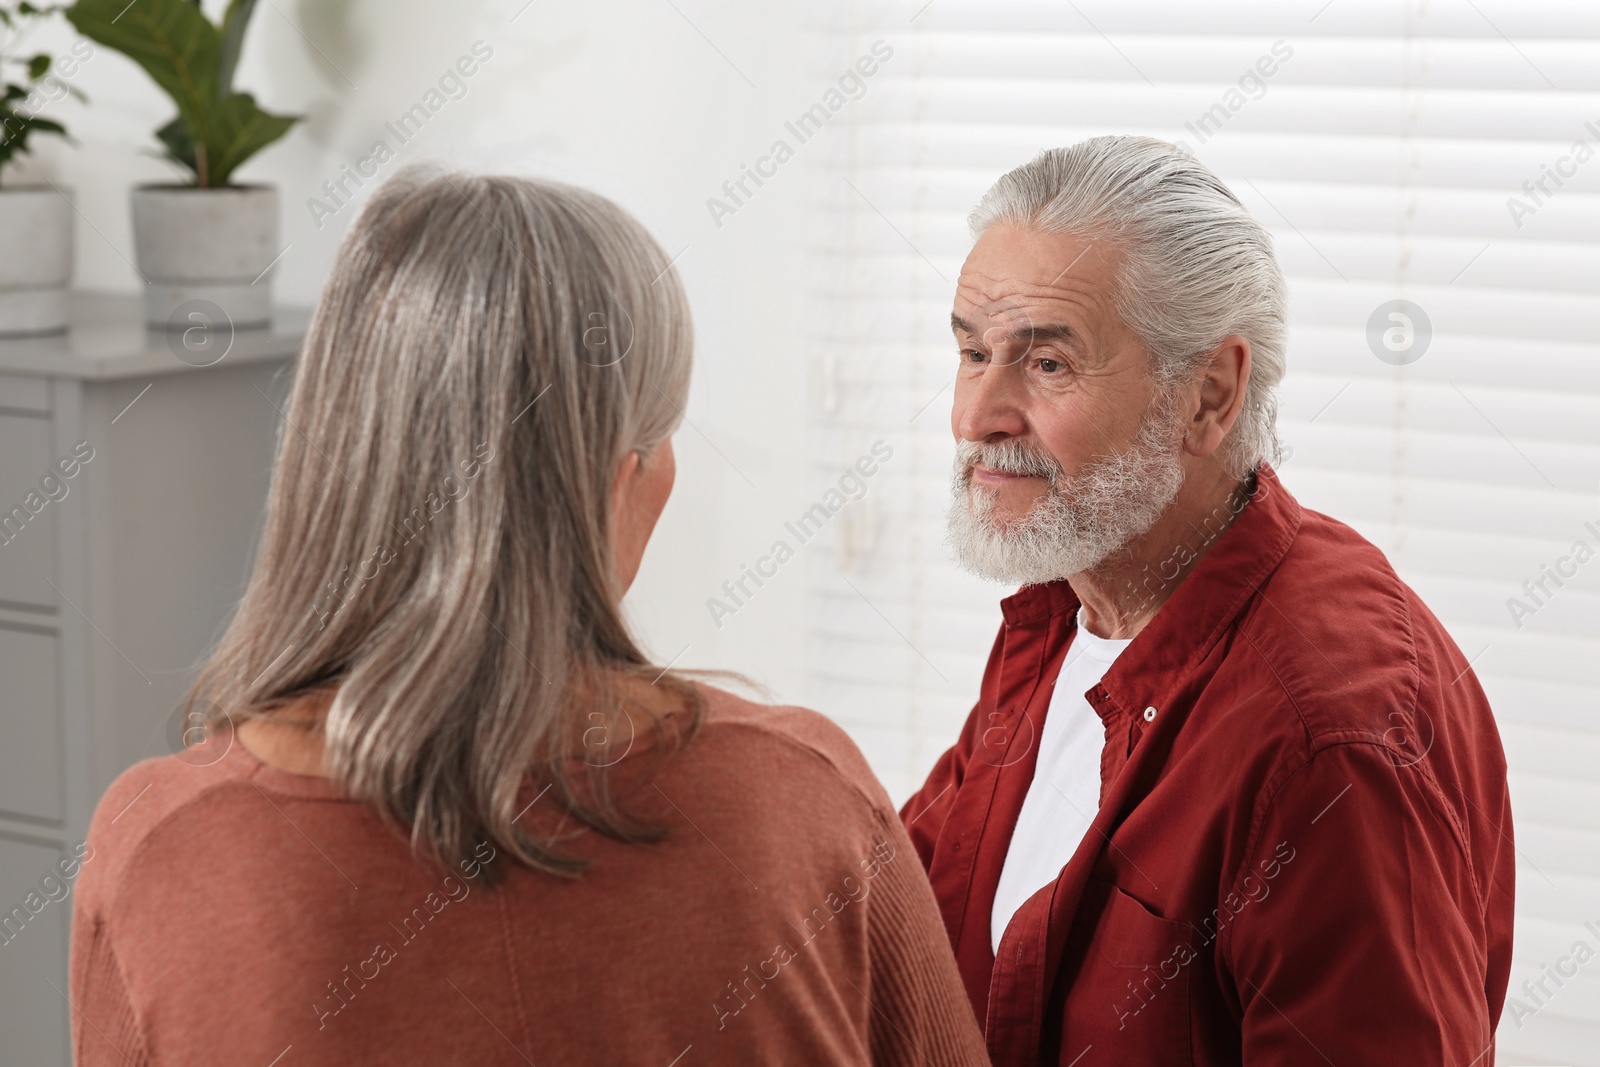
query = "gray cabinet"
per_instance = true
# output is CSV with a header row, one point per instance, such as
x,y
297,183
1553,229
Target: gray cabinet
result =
x,y
30,787
25,561
133,484
33,958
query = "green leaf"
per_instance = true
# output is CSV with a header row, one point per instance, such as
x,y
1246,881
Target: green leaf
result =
x,y
38,66
242,129
47,126
234,23
180,146
171,40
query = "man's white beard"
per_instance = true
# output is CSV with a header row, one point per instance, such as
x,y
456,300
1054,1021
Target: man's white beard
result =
x,y
1077,525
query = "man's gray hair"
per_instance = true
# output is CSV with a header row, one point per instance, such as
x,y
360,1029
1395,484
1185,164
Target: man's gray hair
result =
x,y
1196,267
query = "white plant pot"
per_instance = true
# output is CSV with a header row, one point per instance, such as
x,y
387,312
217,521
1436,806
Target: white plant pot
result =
x,y
35,260
211,245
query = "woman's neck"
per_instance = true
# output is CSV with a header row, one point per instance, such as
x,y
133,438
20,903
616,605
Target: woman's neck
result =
x,y
290,739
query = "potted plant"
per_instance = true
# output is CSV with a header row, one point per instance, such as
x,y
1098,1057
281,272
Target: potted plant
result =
x,y
35,220
208,239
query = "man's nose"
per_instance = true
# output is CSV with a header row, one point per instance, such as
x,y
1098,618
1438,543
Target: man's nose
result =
x,y
987,406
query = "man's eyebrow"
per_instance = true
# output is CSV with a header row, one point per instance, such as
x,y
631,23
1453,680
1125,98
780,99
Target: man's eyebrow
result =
x,y
1055,331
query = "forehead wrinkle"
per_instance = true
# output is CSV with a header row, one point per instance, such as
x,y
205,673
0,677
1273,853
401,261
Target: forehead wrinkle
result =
x,y
1039,309
1018,292
1045,272
984,290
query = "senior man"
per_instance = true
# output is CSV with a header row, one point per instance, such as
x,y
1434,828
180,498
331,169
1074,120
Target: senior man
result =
x,y
1230,793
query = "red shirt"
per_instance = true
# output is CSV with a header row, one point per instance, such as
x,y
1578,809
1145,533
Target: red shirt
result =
x,y
1303,850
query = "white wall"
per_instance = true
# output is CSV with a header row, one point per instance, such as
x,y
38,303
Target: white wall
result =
x,y
629,98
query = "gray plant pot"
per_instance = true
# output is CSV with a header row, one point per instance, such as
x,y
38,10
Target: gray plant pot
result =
x,y
35,260
216,246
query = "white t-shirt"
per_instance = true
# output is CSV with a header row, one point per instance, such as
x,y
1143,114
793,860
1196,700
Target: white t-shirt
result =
x,y
1065,792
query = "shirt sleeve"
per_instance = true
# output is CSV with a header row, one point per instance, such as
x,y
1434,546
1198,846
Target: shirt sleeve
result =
x,y
1356,933
919,1009
105,1030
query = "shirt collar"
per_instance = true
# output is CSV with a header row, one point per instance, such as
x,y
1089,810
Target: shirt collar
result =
x,y
1200,609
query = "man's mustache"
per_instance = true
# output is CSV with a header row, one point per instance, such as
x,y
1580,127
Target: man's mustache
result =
x,y
1007,457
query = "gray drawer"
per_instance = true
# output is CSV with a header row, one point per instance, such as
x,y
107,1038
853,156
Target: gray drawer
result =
x,y
30,716
27,543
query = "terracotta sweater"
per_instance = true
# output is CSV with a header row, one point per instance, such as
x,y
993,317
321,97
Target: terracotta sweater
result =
x,y
239,913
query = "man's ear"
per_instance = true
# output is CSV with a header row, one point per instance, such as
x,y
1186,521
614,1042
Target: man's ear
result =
x,y
1221,388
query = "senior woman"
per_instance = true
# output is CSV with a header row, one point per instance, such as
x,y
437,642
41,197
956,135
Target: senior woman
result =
x,y
446,810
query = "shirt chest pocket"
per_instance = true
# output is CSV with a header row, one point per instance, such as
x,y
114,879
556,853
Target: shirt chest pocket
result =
x,y
1123,994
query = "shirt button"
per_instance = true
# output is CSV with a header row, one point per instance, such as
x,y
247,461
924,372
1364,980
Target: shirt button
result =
x,y
1149,714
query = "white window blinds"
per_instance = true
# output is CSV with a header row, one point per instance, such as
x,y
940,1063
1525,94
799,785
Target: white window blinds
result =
x,y
1446,154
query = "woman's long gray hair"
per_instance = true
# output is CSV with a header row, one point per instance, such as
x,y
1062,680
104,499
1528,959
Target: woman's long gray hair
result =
x,y
486,352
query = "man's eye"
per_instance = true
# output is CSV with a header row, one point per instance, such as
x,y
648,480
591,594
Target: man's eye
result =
x,y
972,355
1050,366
